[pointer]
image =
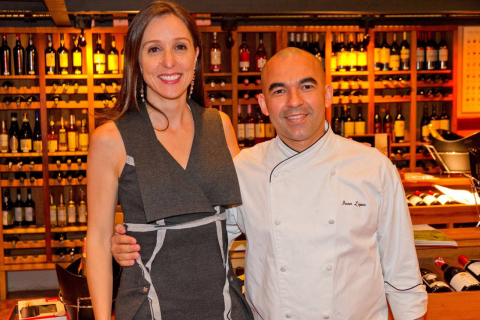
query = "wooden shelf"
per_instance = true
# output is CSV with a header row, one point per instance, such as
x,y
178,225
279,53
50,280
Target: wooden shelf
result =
x,y
20,90
217,74
217,87
27,259
66,258
227,102
424,99
400,158
387,73
24,244
68,154
22,106
443,214
400,144
67,243
108,90
66,76
455,180
434,71
423,84
24,230
20,155
249,87
70,90
108,76
394,99
421,157
17,184
18,77
100,105
25,168
350,85
349,73
248,101
388,85
67,105
65,183
349,100
248,74
69,229
65,167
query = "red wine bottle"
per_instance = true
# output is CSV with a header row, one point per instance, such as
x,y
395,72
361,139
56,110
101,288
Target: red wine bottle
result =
x,y
387,120
433,282
472,266
459,279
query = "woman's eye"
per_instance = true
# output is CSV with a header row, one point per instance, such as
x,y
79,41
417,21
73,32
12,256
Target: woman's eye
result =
x,y
153,49
181,47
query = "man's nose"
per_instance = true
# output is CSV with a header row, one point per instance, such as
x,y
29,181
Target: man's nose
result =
x,y
294,99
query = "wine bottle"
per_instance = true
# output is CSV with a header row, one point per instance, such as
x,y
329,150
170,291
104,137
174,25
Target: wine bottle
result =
x,y
7,211
360,122
317,50
399,125
71,210
14,134
261,54
459,279
420,51
62,213
52,138
244,55
26,135
122,55
352,54
83,137
377,121
378,65
415,200
394,62
240,128
431,53
249,128
472,266
298,40
342,121
385,54
362,57
62,136
428,199
62,54
425,132
444,119
18,57
72,134
6,57
336,125
333,59
291,39
342,55
404,53
99,57
53,213
113,58
215,55
305,42
269,129
77,59
37,134
82,209
50,57
443,199
259,128
442,53
19,210
349,123
3,138
30,218
433,283
387,120
434,120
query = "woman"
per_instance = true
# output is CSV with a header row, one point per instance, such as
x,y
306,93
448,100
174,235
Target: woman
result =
x,y
170,162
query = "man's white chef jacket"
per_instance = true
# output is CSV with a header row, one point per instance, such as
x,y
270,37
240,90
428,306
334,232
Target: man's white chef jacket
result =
x,y
325,228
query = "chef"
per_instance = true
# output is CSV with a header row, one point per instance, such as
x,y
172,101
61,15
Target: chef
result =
x,y
329,234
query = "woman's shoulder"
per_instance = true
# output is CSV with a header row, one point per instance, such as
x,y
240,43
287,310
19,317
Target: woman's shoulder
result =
x,y
107,136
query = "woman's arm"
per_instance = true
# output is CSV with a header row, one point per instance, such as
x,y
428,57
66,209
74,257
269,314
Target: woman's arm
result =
x,y
230,135
105,155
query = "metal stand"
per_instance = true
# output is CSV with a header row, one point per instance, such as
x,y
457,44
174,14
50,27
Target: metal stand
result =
x,y
475,185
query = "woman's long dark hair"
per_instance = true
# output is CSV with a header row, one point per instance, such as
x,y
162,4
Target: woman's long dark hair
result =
x,y
132,77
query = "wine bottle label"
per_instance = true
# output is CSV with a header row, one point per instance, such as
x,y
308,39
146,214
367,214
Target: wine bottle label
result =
x,y
475,268
428,199
100,68
415,199
333,63
72,144
269,131
420,55
215,57
72,214
99,58
29,214
26,145
83,141
404,54
260,63
62,138
378,128
394,62
122,60
13,142
50,59
399,128
37,146
18,214
112,62
260,130
461,280
445,124
425,131
53,216
342,59
443,199
52,145
443,54
359,127
77,59
4,142
82,214
378,55
244,59
384,55
250,131
5,218
352,58
63,60
432,281
387,127
430,55
62,215
362,59
241,131
349,128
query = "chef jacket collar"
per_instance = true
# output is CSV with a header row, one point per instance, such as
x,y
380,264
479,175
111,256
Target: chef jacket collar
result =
x,y
286,153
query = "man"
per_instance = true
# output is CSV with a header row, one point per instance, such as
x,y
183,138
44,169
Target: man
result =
x,y
329,234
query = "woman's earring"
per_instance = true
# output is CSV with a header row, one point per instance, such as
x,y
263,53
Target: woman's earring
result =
x,y
142,95
191,87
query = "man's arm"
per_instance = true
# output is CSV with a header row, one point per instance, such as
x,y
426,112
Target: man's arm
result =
x,y
403,284
235,225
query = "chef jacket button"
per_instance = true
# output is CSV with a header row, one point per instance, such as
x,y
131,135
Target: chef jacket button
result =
x,y
329,267
331,221
333,172
277,222
283,269
326,316
288,315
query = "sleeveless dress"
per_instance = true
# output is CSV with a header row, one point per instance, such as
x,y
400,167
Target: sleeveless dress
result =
x,y
178,219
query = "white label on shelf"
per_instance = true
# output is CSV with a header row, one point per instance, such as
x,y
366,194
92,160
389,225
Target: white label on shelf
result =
x,y
362,59
53,216
241,131
420,55
77,59
260,63
62,215
29,214
250,131
82,214
269,130
18,214
260,130
443,55
462,279
445,124
475,268
349,128
359,127
399,128
72,214
215,57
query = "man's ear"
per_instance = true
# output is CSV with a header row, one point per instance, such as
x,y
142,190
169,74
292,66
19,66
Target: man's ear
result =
x,y
262,103
328,95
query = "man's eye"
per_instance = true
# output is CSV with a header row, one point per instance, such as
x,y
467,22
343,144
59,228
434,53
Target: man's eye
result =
x,y
278,91
307,86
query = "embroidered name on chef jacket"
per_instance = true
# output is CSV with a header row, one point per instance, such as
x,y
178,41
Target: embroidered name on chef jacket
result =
x,y
356,204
